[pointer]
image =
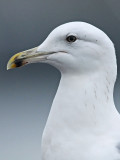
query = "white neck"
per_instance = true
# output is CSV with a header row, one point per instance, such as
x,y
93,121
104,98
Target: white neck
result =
x,y
83,101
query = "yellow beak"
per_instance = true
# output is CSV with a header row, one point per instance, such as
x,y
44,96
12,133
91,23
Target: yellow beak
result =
x,y
20,59
25,57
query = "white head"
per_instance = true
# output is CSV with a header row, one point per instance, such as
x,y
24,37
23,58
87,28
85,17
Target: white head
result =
x,y
74,47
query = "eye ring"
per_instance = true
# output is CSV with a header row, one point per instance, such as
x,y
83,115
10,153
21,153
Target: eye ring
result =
x,y
71,38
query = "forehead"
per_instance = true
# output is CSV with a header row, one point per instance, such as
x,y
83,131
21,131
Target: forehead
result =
x,y
81,29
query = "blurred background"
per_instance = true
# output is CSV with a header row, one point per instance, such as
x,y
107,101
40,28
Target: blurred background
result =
x,y
26,94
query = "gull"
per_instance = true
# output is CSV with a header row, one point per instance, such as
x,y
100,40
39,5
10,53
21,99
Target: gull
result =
x,y
83,123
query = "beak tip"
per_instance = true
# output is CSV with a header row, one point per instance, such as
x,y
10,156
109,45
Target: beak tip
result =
x,y
19,59
8,67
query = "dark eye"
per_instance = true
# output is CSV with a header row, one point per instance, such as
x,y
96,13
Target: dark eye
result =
x,y
71,38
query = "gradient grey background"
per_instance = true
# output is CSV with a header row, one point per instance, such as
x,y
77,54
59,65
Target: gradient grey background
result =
x,y
26,94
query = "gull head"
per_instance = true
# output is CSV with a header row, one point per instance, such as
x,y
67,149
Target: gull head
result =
x,y
74,47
